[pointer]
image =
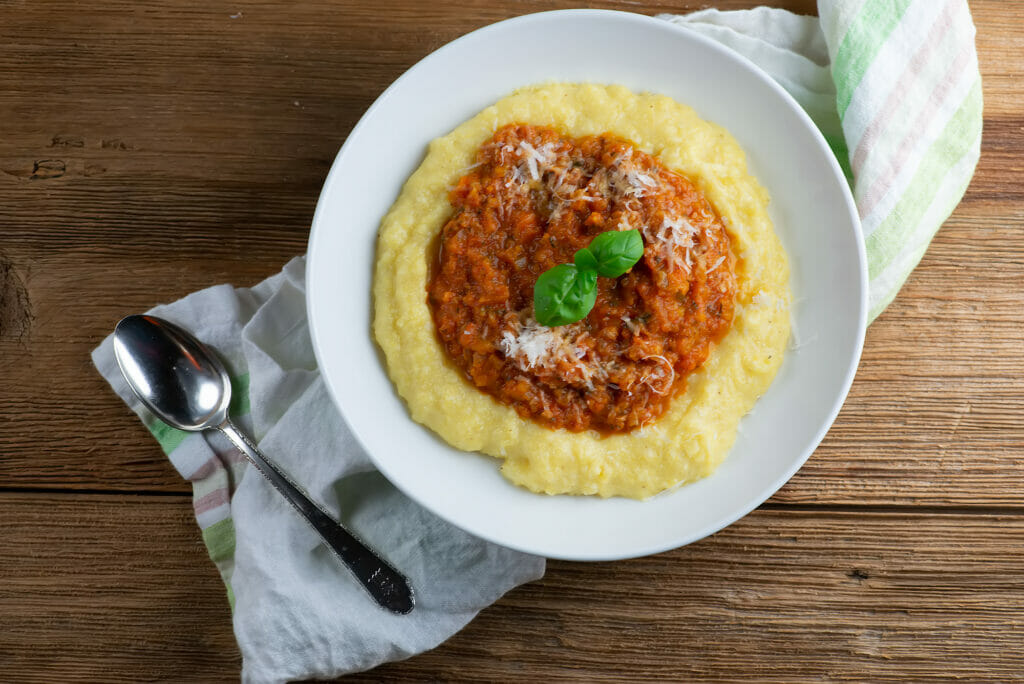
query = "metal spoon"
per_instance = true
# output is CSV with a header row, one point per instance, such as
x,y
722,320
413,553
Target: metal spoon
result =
x,y
185,385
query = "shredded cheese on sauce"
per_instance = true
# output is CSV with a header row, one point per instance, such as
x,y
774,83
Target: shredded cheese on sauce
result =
x,y
674,238
622,178
533,345
718,262
666,378
537,159
627,180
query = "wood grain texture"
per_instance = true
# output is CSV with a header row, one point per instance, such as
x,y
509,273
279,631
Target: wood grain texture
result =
x,y
782,595
152,149
100,588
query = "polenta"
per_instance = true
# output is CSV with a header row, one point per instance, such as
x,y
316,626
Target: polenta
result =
x,y
604,426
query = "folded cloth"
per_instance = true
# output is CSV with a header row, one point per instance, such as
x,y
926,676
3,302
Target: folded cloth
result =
x,y
894,87
896,81
297,612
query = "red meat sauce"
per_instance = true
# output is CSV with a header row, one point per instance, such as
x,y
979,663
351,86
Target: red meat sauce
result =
x,y
530,201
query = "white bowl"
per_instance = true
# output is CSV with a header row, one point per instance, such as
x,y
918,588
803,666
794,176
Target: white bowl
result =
x,y
813,213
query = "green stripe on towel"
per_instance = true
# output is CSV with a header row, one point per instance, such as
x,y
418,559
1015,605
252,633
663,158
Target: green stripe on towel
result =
x,y
220,544
858,48
888,241
170,438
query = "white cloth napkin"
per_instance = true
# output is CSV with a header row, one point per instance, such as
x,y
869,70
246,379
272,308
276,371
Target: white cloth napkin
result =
x,y
894,81
297,612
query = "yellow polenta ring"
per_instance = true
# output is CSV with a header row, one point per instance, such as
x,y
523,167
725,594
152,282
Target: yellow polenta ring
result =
x,y
694,435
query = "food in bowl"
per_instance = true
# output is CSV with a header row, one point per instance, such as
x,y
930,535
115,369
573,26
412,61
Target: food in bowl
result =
x,y
645,392
533,200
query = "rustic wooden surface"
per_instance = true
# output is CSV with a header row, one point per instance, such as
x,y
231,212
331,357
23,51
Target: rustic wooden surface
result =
x,y
151,149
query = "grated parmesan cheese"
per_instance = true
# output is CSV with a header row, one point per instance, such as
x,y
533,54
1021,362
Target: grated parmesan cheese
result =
x,y
795,345
718,262
463,171
637,179
517,179
627,180
762,298
533,345
537,158
674,238
666,379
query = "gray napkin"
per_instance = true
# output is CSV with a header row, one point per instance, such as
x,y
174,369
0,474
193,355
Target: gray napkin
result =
x,y
297,612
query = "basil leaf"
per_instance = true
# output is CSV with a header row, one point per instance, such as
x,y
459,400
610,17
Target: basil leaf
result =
x,y
566,293
585,260
563,295
616,251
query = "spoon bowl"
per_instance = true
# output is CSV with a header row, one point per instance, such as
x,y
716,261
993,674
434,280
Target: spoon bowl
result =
x,y
175,375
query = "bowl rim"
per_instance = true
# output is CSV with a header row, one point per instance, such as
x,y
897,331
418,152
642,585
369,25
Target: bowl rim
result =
x,y
766,491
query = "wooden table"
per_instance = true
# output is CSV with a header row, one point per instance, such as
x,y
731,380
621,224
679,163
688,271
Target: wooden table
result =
x,y
151,149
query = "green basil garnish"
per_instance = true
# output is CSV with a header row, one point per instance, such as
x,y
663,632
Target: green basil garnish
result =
x,y
616,251
566,293
586,261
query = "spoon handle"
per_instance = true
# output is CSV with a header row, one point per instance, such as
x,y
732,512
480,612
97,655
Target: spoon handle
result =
x,y
387,586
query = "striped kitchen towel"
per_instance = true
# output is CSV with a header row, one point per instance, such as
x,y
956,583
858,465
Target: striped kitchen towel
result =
x,y
298,614
895,89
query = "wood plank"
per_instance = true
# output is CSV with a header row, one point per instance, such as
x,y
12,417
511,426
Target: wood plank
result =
x,y
783,594
1000,44
116,589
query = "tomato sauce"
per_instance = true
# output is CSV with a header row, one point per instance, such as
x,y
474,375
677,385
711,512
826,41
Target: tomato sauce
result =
x,y
534,197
